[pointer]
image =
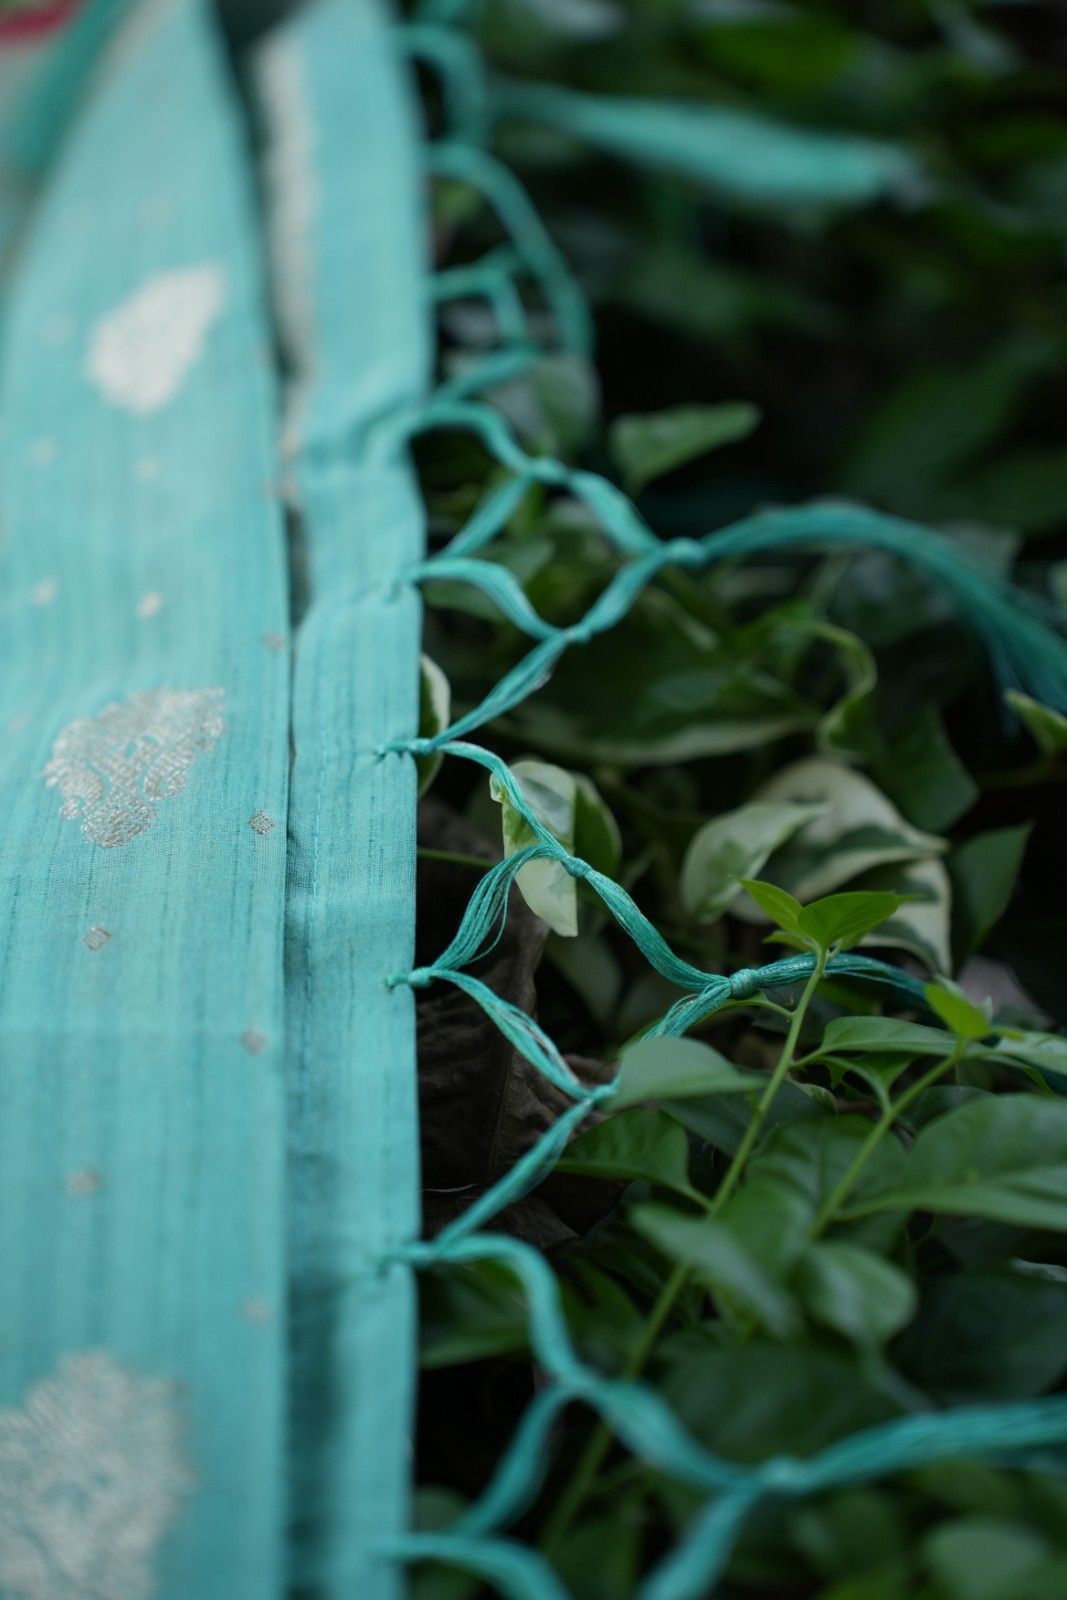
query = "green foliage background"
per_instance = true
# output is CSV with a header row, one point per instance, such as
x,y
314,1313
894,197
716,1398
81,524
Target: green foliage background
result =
x,y
819,723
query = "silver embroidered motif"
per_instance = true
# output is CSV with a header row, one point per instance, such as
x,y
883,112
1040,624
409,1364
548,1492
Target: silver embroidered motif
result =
x,y
86,1180
92,1473
140,354
114,769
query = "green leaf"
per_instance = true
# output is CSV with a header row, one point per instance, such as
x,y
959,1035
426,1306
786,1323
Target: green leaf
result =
x,y
884,1035
764,1398
551,794
770,1217
639,1144
711,300
812,1157
842,727
660,688
596,833
599,1311
435,709
855,1292
645,447
922,774
1003,1157
878,1072
660,1069
723,1262
841,920
966,1020
601,1556
856,829
988,1333
553,406
936,420
1047,1052
1048,727
569,805
470,1312
986,1558
774,902
732,847
566,390
983,873
592,969
922,923
721,1120
885,1048
1026,489
859,1537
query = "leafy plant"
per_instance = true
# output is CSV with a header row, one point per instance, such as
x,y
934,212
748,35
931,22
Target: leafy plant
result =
x,y
831,1204
646,447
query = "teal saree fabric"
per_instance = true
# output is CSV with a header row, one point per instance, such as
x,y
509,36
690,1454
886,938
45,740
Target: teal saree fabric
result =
x,y
206,1089
348,256
211,566
143,802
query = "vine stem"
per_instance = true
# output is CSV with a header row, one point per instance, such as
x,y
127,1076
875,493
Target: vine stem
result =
x,y
599,1442
735,1170
847,1181
452,858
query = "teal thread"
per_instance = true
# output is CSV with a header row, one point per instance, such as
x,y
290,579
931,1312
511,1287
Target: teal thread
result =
x,y
1025,651
457,62
734,152
516,1571
647,1426
468,163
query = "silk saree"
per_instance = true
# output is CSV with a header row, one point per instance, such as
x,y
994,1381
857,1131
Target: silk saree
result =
x,y
216,352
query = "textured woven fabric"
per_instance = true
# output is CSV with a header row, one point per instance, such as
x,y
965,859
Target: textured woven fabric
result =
x,y
348,259
206,1096
144,724
207,797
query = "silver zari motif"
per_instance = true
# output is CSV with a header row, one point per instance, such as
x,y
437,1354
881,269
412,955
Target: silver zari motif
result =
x,y
92,1473
140,354
114,769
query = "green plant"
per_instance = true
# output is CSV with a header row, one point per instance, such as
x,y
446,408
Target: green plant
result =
x,y
818,1212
